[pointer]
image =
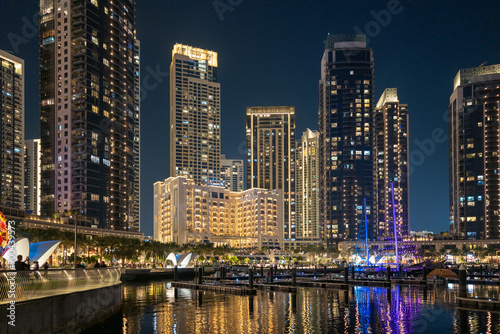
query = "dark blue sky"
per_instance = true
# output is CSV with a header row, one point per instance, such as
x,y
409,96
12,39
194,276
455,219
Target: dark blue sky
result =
x,y
270,53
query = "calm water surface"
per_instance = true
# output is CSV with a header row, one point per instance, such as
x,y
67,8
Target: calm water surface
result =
x,y
155,307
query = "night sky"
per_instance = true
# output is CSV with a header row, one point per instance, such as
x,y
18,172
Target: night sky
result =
x,y
269,54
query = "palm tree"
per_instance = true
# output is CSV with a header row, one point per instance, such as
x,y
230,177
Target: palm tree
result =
x,y
67,241
100,243
489,252
431,253
455,252
152,249
480,253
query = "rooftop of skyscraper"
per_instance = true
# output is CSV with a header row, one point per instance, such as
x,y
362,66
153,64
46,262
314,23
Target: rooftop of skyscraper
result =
x,y
464,76
332,39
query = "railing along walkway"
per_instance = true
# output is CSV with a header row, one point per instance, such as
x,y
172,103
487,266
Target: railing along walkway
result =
x,y
26,285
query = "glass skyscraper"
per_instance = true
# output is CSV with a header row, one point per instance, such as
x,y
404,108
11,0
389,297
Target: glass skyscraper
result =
x,y
474,162
307,188
270,136
391,167
11,130
89,110
194,115
346,108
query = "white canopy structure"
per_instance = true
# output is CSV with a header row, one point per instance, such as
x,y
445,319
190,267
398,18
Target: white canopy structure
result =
x,y
181,260
21,246
39,251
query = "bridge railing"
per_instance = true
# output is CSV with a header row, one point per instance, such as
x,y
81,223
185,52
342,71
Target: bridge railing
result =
x,y
25,285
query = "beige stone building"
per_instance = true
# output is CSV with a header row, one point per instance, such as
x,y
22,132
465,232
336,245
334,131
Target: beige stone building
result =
x,y
185,212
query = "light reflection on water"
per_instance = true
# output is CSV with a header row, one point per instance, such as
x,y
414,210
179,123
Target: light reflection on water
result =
x,y
156,308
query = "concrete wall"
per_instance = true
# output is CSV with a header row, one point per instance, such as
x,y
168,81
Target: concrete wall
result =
x,y
66,313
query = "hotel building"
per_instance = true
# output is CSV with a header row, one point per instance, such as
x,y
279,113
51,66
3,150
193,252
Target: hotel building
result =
x,y
270,136
231,171
89,110
474,144
346,109
194,115
32,176
391,167
307,188
11,131
185,212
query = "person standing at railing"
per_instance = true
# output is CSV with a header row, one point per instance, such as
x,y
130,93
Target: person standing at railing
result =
x,y
36,266
22,276
20,265
46,268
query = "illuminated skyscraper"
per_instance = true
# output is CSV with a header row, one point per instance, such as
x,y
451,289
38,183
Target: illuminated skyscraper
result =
x,y
474,144
194,114
307,188
89,110
32,175
391,166
11,131
270,133
231,171
346,112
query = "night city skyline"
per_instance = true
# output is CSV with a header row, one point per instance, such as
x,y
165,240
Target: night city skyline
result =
x,y
270,54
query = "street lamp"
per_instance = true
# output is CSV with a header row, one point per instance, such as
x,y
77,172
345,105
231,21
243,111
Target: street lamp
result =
x,y
75,246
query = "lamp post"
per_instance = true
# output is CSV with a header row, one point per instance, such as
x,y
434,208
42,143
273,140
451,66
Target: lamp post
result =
x,y
75,246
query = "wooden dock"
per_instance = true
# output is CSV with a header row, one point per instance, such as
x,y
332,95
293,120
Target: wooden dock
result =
x,y
487,304
234,290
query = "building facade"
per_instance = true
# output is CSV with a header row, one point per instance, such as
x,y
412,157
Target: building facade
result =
x,y
270,137
89,110
346,97
194,114
307,188
12,131
185,212
231,171
32,176
391,167
474,144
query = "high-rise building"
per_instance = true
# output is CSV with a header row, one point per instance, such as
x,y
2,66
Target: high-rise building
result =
x,y
346,97
231,171
185,212
89,110
474,144
11,131
137,138
270,133
32,176
391,167
307,188
194,114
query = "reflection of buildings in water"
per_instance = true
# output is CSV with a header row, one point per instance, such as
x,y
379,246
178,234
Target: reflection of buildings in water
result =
x,y
158,308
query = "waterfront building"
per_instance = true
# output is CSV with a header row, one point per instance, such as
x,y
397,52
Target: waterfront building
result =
x,y
186,212
12,130
32,176
270,140
346,97
89,110
194,114
474,145
231,171
391,166
307,188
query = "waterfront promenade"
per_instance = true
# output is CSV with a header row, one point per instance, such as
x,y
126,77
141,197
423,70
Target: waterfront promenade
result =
x,y
58,301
